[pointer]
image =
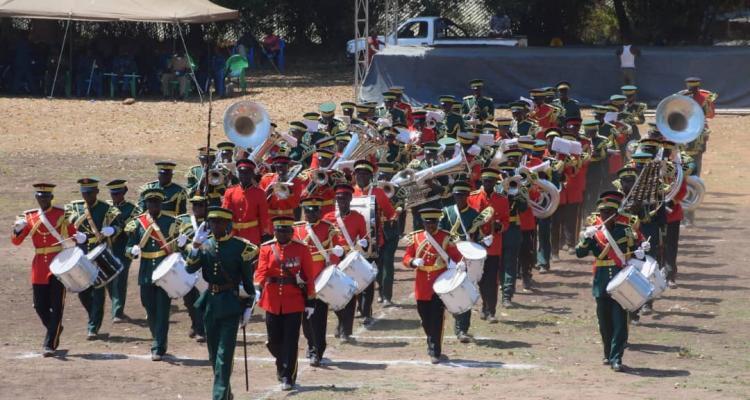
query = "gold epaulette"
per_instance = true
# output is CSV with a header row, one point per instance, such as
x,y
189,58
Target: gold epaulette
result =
x,y
478,191
297,223
131,226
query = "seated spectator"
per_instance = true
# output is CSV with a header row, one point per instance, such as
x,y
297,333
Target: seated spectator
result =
x,y
271,45
500,25
87,68
178,68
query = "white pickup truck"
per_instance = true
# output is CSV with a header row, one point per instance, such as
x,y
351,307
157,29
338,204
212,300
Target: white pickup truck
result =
x,y
434,32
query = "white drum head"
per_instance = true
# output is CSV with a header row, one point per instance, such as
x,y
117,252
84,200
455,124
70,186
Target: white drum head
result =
x,y
324,277
471,250
65,260
96,252
166,265
448,280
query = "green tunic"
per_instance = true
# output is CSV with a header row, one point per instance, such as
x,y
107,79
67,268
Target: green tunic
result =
x,y
454,123
224,264
99,215
175,198
118,288
485,106
525,127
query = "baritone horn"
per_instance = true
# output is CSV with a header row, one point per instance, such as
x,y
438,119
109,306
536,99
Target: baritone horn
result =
x,y
680,119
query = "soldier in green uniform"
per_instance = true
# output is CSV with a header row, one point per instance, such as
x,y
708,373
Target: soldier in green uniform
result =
x,y
302,152
570,106
188,226
522,125
196,175
463,223
598,170
477,106
100,222
438,186
611,316
392,234
118,287
453,121
635,110
389,110
328,122
175,196
313,131
396,152
150,237
511,236
225,261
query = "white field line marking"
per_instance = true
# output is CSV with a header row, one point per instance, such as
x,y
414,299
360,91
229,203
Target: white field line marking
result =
x,y
386,337
448,363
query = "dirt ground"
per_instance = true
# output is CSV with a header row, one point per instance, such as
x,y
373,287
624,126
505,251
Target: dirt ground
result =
x,y
694,346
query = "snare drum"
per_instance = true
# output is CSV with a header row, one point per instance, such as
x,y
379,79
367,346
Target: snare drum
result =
x,y
74,269
109,265
356,266
335,287
171,276
474,256
630,288
456,290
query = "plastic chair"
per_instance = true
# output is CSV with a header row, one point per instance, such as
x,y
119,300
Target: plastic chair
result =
x,y
174,85
235,67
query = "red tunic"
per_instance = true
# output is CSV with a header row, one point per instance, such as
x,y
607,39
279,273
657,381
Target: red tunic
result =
x,y
286,298
355,224
677,214
326,234
575,184
383,204
434,265
44,243
327,193
501,216
277,206
526,218
544,115
250,209
406,108
701,98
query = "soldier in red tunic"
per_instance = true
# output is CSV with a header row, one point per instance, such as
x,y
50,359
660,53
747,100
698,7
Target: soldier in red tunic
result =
x,y
321,238
47,227
429,261
285,271
248,204
278,206
352,230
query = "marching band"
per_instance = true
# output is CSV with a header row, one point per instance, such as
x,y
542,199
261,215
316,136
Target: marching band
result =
x,y
310,219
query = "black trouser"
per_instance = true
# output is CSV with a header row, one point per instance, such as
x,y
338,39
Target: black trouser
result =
x,y
314,329
613,327
671,245
196,316
489,283
462,322
527,254
49,302
571,223
556,231
432,314
346,318
365,299
283,337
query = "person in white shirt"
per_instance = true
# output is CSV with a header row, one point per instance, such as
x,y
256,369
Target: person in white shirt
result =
x,y
627,55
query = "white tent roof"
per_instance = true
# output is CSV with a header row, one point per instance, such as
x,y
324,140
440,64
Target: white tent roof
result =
x,y
194,11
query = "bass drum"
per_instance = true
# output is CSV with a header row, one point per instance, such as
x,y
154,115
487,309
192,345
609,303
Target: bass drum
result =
x,y
335,288
456,290
76,272
630,288
109,265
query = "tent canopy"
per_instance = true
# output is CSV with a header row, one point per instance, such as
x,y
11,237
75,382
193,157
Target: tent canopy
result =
x,y
187,11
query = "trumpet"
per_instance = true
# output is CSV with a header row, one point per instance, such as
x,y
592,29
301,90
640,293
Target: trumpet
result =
x,y
283,190
215,177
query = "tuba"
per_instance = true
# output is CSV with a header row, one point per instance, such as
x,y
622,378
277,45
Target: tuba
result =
x,y
413,184
696,189
363,144
680,119
248,125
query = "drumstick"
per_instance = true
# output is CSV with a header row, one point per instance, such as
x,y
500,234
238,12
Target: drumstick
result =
x,y
64,240
244,346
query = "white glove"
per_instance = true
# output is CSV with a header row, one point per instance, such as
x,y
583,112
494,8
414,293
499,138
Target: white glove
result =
x,y
487,240
646,246
80,237
19,225
639,254
337,251
474,150
135,251
589,232
246,316
461,266
182,240
362,243
201,235
309,311
417,262
108,231
300,281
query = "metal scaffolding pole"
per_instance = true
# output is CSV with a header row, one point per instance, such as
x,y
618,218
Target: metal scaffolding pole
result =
x,y
361,31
